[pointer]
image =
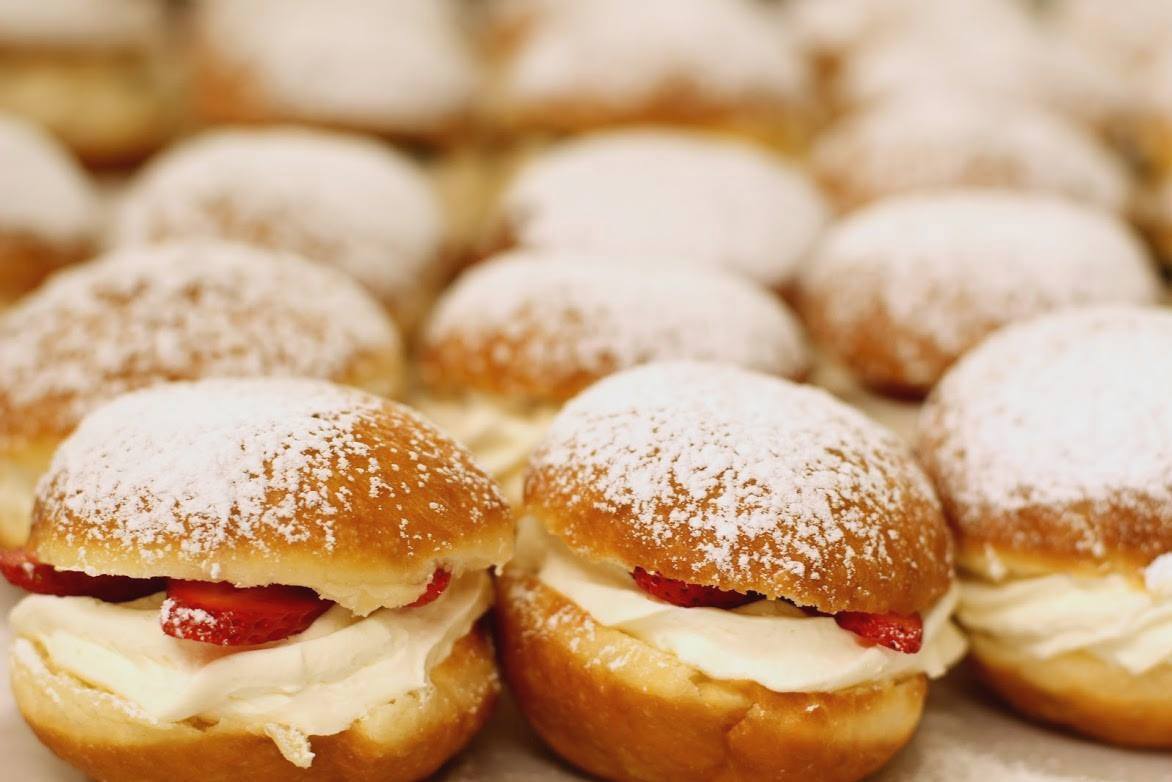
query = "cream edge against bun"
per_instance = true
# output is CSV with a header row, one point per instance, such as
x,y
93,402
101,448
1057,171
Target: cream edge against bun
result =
x,y
1053,462
347,541
647,514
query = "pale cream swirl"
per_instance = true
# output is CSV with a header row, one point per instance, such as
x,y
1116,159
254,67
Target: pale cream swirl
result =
x,y
313,684
769,642
1111,617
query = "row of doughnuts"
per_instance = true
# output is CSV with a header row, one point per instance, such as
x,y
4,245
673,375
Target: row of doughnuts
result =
x,y
686,527
718,572
898,289
439,71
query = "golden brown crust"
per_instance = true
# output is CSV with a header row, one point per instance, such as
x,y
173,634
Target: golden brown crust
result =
x,y
1040,457
867,347
840,518
406,739
1081,692
542,325
143,316
29,437
56,416
1128,535
405,498
1129,546
909,582
463,361
622,710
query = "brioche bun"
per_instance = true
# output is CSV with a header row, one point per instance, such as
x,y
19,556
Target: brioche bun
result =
x,y
186,310
1051,443
97,76
542,325
342,200
48,208
621,709
786,491
652,194
1080,691
398,68
906,285
269,481
937,139
405,739
714,63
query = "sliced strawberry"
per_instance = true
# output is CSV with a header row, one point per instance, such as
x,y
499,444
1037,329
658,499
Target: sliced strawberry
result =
x,y
25,572
225,615
681,593
439,582
901,632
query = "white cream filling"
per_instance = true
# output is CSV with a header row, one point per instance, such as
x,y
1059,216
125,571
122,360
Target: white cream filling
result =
x,y
1111,617
500,435
313,684
769,642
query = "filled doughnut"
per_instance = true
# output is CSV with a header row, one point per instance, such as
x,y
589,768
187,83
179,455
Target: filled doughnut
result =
x,y
49,213
903,287
728,576
397,68
721,64
520,334
98,75
1051,447
339,199
184,310
940,139
1018,60
666,194
243,592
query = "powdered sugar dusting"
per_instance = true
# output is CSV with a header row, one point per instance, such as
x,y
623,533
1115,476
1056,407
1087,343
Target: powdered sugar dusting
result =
x,y
1066,411
342,200
43,192
1017,60
178,311
390,64
750,470
949,267
617,54
555,316
212,464
930,140
181,618
668,195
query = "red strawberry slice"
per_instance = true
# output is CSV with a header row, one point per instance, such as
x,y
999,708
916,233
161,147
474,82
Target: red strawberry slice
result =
x,y
901,632
32,576
225,615
439,582
681,593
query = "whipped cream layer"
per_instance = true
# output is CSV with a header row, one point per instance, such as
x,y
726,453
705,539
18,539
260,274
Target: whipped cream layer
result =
x,y
1116,619
499,434
770,642
313,684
